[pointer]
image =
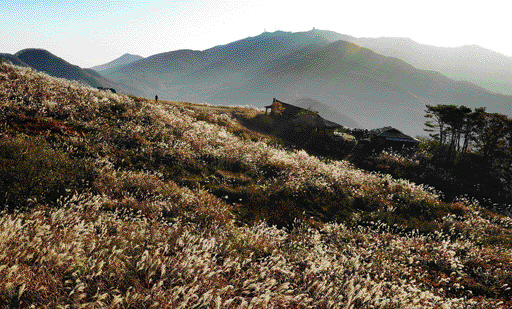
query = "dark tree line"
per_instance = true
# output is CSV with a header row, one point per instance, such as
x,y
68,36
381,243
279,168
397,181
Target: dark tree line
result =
x,y
465,130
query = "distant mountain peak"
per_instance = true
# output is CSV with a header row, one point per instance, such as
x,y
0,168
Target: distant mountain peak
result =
x,y
28,50
330,36
396,40
276,32
363,80
124,59
43,60
477,48
36,53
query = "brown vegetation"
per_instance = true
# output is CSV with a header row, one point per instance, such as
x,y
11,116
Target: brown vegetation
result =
x,y
128,203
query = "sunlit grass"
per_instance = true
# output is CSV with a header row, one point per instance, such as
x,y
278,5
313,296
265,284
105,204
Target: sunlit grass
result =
x,y
169,205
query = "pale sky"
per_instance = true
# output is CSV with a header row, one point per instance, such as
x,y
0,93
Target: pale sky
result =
x,y
89,33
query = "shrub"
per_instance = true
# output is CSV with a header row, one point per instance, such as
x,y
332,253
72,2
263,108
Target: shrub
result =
x,y
31,171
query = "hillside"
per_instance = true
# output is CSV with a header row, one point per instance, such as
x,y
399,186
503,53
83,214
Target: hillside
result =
x,y
371,89
44,61
117,201
473,64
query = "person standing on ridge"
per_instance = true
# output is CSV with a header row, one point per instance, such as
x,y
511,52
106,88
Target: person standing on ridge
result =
x,y
156,98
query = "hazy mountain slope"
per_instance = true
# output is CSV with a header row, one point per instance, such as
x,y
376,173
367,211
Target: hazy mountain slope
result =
x,y
124,59
196,73
251,55
371,89
326,111
149,74
473,63
45,61
331,36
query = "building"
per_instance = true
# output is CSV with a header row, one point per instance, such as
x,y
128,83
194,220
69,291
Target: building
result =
x,y
392,138
283,109
301,116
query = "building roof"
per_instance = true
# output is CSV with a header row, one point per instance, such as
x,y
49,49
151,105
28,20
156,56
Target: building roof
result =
x,y
289,109
318,122
392,134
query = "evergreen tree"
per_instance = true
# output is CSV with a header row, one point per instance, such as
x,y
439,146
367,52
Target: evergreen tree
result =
x,y
493,134
436,123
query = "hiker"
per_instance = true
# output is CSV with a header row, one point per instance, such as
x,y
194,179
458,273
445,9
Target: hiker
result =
x,y
156,98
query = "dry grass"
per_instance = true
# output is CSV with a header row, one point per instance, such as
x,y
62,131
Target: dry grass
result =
x,y
157,221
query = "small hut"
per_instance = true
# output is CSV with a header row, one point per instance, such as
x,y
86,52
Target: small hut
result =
x,y
389,137
283,109
299,116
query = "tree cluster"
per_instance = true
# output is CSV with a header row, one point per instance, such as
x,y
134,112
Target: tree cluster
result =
x,y
465,130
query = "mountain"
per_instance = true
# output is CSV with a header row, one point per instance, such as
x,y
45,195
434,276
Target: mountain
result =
x,y
183,72
372,89
44,61
146,75
197,75
254,54
470,63
124,59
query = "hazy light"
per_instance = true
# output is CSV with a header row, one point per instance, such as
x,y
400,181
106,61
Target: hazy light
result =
x,y
89,33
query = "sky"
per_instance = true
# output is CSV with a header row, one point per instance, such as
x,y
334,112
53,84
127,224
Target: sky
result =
x,y
88,33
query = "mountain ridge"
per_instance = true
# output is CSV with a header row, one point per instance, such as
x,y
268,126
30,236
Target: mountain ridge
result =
x,y
44,61
471,63
124,59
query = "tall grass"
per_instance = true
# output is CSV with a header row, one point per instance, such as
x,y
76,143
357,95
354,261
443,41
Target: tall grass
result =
x,y
145,205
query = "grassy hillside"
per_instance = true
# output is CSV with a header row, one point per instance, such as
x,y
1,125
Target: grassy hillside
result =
x,y
121,202
44,61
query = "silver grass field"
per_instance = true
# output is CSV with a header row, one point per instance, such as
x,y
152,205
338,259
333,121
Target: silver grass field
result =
x,y
141,225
